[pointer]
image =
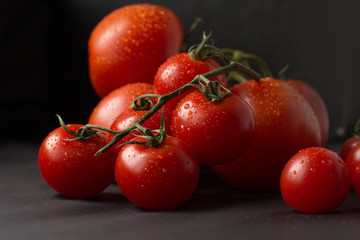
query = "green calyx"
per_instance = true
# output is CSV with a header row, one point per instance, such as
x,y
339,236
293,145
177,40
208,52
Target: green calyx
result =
x,y
205,50
152,140
82,133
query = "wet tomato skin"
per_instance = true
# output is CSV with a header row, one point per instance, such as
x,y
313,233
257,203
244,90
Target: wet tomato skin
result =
x,y
179,70
130,43
218,132
119,100
71,168
157,179
317,104
315,180
284,124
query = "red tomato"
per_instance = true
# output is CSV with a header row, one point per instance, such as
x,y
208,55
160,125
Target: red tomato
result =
x,y
317,104
157,179
129,45
353,166
128,117
218,132
179,70
353,163
315,180
71,168
285,123
348,146
116,102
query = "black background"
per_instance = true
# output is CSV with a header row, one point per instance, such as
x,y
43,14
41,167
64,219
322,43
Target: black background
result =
x,y
43,53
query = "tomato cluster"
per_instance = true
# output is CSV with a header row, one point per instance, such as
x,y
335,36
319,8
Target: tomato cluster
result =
x,y
246,132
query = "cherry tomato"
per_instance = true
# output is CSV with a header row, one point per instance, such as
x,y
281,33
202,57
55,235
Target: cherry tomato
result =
x,y
179,70
129,116
71,168
218,132
353,162
353,167
130,44
348,146
157,179
317,104
285,123
116,102
315,180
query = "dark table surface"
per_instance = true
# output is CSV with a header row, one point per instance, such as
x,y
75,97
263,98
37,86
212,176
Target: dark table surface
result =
x,y
30,209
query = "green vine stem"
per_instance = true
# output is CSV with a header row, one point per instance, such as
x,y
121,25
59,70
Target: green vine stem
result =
x,y
240,56
212,91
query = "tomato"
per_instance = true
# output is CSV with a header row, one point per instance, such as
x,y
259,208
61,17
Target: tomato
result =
x,y
116,102
348,146
129,45
179,70
71,168
157,179
353,162
285,123
317,104
315,180
218,132
129,116
353,166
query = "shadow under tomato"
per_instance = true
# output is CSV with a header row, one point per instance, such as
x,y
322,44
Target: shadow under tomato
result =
x,y
213,194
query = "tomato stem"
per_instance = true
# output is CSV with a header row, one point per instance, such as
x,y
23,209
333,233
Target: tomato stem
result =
x,y
189,32
240,56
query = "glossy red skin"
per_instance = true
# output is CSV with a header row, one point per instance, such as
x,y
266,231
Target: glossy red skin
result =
x,y
348,146
353,164
218,132
157,179
353,167
116,102
71,168
317,104
129,116
315,180
129,45
285,123
179,70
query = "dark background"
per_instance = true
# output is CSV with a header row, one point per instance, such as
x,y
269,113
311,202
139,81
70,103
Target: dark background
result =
x,y
43,53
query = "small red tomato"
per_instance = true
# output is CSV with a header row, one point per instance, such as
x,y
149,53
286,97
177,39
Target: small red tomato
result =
x,y
179,70
218,132
317,104
116,102
157,179
130,44
71,168
129,116
353,163
315,180
348,146
353,166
